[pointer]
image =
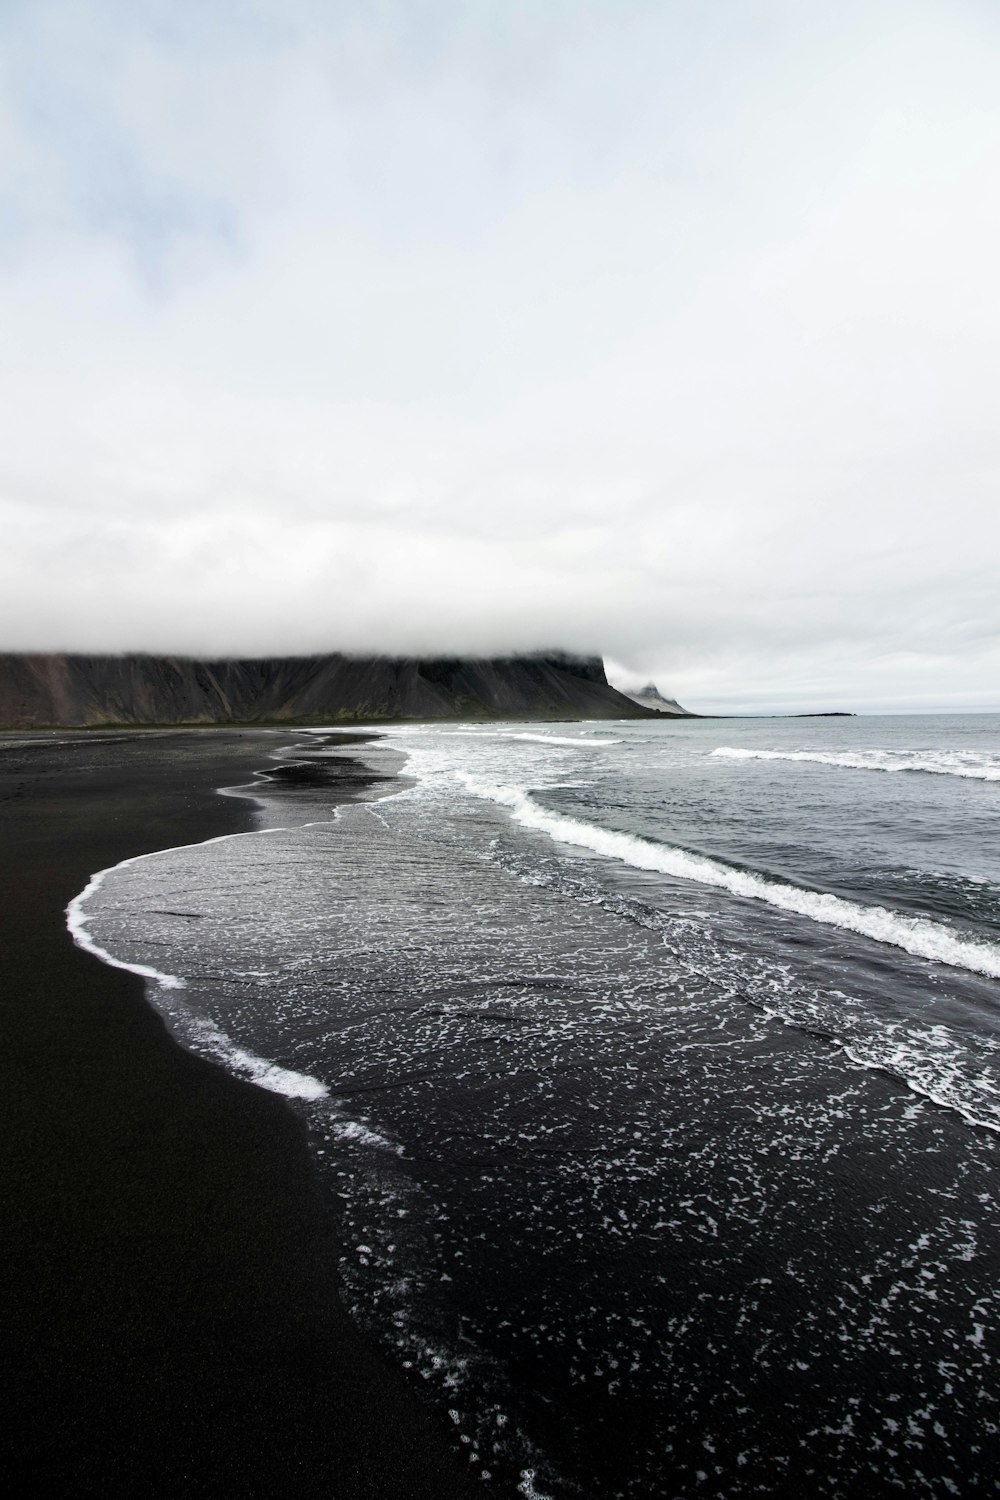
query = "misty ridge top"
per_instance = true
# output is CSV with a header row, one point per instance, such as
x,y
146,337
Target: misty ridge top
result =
x,y
76,691
651,697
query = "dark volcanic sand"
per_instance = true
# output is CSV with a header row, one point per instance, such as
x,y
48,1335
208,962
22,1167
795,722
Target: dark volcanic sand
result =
x,y
169,1317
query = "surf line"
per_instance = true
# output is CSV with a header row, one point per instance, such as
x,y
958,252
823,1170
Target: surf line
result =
x,y
914,935
259,1070
946,763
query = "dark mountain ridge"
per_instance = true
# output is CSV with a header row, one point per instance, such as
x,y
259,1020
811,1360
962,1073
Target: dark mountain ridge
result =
x,y
69,691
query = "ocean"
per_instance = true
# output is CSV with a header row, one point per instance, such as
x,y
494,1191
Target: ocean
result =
x,y
654,1069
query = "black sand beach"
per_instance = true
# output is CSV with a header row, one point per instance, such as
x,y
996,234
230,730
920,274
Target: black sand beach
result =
x,y
169,1311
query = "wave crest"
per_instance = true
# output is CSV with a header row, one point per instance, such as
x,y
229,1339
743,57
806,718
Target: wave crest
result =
x,y
971,764
916,935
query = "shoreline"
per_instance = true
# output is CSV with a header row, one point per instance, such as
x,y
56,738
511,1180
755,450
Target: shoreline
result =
x,y
170,1308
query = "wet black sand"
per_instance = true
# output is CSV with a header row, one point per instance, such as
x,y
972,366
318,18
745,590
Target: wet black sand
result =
x,y
169,1318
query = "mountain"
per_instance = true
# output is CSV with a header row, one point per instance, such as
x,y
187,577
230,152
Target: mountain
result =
x,y
77,691
650,697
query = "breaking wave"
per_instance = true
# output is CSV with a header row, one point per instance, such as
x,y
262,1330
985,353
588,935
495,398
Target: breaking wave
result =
x,y
974,765
916,935
557,739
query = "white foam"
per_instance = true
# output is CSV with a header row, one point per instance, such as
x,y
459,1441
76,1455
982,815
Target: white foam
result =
x,y
971,764
939,1079
363,1135
579,742
82,938
526,1487
915,935
266,1075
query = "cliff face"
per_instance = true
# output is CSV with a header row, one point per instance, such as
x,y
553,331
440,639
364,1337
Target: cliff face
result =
x,y
76,691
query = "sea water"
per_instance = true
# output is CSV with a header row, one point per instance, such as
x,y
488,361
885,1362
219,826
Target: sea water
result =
x,y
655,1068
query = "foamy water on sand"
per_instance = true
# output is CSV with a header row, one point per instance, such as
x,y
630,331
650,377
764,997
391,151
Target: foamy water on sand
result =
x,y
659,1087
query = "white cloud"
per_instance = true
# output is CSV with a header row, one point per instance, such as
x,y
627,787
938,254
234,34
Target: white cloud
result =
x,y
616,327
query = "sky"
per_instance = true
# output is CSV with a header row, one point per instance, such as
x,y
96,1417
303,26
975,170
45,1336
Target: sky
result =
x,y
669,331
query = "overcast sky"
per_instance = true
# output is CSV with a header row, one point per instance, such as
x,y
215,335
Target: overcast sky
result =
x,y
665,330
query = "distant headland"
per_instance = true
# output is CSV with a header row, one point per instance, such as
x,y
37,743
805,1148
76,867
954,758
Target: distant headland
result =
x,y
75,691
651,697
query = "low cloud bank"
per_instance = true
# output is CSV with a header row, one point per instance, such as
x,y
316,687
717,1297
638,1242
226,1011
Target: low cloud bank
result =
x,y
603,329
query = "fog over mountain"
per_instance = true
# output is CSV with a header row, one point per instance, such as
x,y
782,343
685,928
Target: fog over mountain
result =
x,y
653,329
